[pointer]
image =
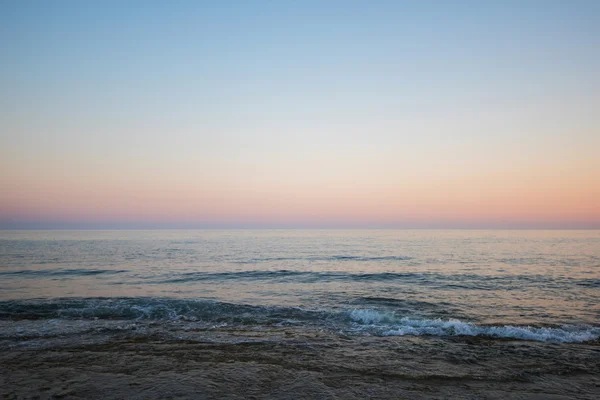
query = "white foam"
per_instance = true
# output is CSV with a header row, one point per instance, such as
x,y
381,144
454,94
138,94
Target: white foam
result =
x,y
371,316
387,324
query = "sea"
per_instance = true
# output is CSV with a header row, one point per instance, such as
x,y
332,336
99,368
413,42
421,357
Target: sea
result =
x,y
538,285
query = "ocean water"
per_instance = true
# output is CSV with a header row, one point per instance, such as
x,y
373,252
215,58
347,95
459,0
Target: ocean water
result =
x,y
526,285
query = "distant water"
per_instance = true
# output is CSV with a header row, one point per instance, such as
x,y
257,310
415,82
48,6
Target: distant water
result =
x,y
534,285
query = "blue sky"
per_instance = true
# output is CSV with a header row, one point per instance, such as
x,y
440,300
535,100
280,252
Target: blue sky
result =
x,y
287,113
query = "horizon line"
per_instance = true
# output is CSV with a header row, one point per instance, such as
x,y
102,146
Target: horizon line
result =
x,y
233,228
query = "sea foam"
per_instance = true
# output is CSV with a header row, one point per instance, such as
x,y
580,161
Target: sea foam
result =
x,y
387,324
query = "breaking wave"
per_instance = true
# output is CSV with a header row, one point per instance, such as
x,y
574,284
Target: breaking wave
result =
x,y
353,321
387,324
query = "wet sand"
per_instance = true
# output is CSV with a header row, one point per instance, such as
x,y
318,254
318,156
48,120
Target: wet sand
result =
x,y
179,361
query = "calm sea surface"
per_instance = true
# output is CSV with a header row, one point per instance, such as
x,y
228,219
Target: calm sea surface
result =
x,y
540,285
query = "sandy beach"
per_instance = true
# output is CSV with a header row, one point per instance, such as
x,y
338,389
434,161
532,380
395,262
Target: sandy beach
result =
x,y
141,361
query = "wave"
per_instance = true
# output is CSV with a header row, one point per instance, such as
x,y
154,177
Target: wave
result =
x,y
252,275
62,272
350,321
153,309
298,276
306,277
592,283
449,281
387,324
327,258
429,279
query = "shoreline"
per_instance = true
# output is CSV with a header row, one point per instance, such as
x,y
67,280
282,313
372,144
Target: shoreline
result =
x,y
167,361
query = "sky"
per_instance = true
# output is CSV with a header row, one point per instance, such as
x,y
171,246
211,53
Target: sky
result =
x,y
307,114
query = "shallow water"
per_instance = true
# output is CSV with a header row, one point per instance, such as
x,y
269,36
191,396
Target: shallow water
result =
x,y
534,285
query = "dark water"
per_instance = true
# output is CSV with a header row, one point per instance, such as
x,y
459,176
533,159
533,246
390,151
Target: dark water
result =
x,y
535,285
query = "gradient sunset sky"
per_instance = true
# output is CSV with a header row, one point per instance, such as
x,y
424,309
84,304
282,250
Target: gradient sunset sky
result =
x,y
420,114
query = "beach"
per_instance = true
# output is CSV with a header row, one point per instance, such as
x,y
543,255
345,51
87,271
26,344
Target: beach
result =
x,y
175,360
